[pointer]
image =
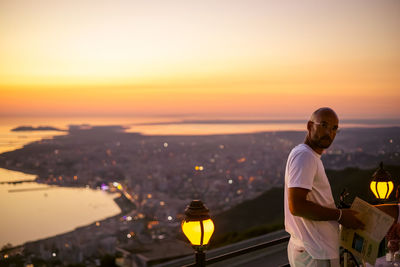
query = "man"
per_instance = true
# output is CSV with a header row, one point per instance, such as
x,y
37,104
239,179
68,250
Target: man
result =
x,y
311,217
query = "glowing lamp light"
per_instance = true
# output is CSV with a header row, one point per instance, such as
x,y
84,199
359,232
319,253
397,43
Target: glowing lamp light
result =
x,y
197,226
381,184
198,233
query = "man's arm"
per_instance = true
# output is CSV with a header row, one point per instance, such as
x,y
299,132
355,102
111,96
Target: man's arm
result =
x,y
300,206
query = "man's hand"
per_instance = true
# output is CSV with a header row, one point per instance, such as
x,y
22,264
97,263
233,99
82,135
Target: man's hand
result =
x,y
349,219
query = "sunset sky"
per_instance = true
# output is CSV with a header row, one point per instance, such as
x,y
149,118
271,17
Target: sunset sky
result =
x,y
240,58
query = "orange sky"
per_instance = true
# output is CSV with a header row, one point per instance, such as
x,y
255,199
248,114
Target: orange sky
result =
x,y
261,58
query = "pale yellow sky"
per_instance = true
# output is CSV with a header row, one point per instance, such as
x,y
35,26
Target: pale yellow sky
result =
x,y
200,57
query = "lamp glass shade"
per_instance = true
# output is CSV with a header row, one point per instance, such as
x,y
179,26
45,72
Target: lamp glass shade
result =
x,y
382,189
192,230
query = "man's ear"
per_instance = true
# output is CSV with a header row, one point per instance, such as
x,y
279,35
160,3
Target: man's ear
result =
x,y
309,125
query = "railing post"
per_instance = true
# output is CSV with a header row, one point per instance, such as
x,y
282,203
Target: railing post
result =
x,y
200,258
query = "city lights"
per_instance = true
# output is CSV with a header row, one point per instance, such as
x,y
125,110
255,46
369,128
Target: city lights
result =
x,y
104,187
199,168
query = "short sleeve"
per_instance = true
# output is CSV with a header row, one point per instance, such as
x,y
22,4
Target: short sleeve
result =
x,y
301,170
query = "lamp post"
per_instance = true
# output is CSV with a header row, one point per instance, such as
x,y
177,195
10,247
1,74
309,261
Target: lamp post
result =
x,y
381,184
198,228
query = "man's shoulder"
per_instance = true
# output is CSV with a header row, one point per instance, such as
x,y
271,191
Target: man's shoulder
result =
x,y
303,153
301,149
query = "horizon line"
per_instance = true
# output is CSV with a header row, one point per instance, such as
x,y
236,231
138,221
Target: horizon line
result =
x,y
270,121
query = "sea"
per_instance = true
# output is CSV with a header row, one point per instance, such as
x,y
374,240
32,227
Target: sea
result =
x,y
32,211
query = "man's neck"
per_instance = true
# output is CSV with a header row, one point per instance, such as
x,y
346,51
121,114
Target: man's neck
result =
x,y
313,147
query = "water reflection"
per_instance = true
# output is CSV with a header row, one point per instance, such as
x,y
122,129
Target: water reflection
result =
x,y
32,211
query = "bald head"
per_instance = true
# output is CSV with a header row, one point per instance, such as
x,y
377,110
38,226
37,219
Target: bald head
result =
x,y
323,112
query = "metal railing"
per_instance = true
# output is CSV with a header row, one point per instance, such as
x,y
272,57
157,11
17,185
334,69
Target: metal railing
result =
x,y
243,251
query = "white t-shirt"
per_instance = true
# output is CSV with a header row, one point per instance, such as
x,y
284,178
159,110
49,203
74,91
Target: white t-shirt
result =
x,y
304,169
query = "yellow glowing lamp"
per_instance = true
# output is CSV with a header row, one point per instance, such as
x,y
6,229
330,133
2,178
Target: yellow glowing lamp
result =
x,y
381,184
197,226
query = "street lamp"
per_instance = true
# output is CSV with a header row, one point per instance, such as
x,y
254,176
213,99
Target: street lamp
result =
x,y
198,228
381,184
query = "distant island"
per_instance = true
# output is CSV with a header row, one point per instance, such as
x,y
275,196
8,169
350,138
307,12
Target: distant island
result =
x,y
39,128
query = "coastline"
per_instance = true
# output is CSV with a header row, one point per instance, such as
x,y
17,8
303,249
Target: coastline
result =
x,y
90,226
124,205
